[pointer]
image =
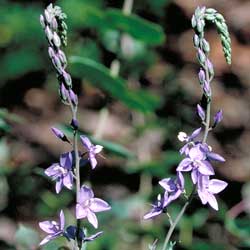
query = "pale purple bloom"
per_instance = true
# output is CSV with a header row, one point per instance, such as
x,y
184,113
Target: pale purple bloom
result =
x,y
183,137
62,172
211,156
59,134
207,188
88,205
158,207
196,161
53,228
91,149
174,187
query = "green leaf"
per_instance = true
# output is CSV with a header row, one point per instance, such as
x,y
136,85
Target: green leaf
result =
x,y
100,76
26,238
135,26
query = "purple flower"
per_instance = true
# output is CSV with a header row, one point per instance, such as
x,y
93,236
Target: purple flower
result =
x,y
196,162
173,186
183,137
207,188
53,228
62,172
89,205
158,207
91,149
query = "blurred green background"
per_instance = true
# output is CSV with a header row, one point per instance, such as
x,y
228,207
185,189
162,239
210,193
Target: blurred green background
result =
x,y
136,116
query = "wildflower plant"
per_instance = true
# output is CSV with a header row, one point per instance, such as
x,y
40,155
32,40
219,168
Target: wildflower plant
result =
x,y
198,156
66,173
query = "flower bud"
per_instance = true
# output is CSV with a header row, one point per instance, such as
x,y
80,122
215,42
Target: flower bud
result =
x,y
54,24
201,56
200,25
51,52
42,21
196,41
62,57
207,89
210,68
57,64
201,112
67,79
59,134
63,92
202,76
56,40
48,33
74,124
205,46
73,97
48,16
193,22
217,118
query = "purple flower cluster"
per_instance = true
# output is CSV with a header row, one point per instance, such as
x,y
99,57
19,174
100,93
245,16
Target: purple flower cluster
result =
x,y
198,155
198,159
67,169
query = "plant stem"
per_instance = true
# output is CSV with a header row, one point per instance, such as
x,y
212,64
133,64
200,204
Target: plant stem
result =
x,y
78,242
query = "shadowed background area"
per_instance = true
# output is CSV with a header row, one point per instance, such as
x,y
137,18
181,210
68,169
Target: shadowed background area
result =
x,y
135,116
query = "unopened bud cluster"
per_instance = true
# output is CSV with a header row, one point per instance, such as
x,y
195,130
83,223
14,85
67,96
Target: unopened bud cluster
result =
x,y
55,30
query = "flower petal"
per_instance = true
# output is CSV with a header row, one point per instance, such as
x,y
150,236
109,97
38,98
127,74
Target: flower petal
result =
x,y
152,213
93,237
99,205
86,193
80,212
46,240
66,160
68,180
62,220
195,153
205,168
215,157
203,196
48,226
92,219
180,180
97,149
185,165
59,185
212,201
52,170
216,186
92,159
86,142
194,175
167,184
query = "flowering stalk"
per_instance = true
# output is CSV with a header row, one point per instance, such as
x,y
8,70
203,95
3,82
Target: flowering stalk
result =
x,y
198,154
68,168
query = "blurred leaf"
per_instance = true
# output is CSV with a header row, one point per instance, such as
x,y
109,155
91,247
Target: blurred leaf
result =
x,y
26,238
207,246
4,126
135,26
239,227
101,77
4,152
4,191
5,114
19,62
200,217
54,245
